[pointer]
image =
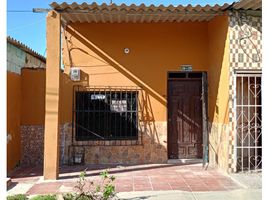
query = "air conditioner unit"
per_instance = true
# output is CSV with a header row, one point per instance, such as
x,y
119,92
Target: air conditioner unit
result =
x,y
75,74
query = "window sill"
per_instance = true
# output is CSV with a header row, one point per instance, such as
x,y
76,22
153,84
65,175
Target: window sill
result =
x,y
118,142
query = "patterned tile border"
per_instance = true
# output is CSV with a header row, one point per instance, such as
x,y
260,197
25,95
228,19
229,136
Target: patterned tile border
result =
x,y
245,54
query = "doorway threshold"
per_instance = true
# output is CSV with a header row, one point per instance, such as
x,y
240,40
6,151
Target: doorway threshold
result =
x,y
184,161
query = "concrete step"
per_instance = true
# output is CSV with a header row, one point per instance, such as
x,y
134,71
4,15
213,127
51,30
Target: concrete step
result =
x,y
184,161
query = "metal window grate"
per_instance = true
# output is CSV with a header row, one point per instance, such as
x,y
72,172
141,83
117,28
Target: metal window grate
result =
x,y
105,113
248,122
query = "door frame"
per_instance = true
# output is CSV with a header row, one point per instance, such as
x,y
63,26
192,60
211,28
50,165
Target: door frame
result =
x,y
204,96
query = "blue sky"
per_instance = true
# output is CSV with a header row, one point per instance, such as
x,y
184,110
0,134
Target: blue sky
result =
x,y
30,28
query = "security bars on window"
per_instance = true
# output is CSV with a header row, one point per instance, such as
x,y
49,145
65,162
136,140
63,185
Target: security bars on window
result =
x,y
105,113
248,122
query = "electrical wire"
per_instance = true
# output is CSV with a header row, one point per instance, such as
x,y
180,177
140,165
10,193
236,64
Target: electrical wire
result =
x,y
19,11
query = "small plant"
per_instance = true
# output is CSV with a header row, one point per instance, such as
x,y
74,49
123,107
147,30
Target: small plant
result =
x,y
44,197
88,190
68,196
18,197
108,189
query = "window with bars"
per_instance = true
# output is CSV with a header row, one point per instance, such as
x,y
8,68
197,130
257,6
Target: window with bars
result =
x,y
105,114
248,122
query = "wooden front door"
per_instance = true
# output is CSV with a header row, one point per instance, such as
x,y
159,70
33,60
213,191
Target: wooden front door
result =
x,y
185,118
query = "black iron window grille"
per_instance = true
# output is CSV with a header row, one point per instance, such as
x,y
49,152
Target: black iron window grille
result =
x,y
105,113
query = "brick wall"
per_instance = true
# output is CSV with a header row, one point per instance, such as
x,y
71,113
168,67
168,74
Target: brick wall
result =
x,y
32,145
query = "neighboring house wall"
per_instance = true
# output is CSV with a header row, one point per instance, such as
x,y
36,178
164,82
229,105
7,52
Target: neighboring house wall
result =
x,y
15,61
21,104
32,116
15,58
235,44
13,119
245,54
33,62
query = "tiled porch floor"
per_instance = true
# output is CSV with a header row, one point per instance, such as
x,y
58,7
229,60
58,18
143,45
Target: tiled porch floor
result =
x,y
150,177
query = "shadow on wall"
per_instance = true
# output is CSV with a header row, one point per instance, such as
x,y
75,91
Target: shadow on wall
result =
x,y
148,151
146,116
245,33
218,142
218,91
151,148
32,130
147,119
66,95
109,61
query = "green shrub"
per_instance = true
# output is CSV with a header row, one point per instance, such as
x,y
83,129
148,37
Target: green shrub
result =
x,y
68,196
103,191
108,188
17,197
44,197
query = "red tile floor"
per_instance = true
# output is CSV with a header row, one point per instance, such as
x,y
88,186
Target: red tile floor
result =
x,y
147,177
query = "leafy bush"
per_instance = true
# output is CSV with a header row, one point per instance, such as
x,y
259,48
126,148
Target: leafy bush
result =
x,y
17,197
88,190
39,197
108,189
45,197
68,196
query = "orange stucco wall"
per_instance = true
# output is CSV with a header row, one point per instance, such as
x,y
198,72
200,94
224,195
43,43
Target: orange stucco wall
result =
x,y
13,119
218,91
218,69
155,49
33,96
25,106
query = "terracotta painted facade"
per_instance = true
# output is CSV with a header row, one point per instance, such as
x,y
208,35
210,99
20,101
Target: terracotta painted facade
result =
x,y
13,119
207,50
97,49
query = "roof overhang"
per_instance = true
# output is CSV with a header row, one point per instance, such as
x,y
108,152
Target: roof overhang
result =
x,y
25,48
94,13
112,13
248,5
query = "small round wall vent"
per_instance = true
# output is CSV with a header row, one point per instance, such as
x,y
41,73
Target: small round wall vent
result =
x,y
126,50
